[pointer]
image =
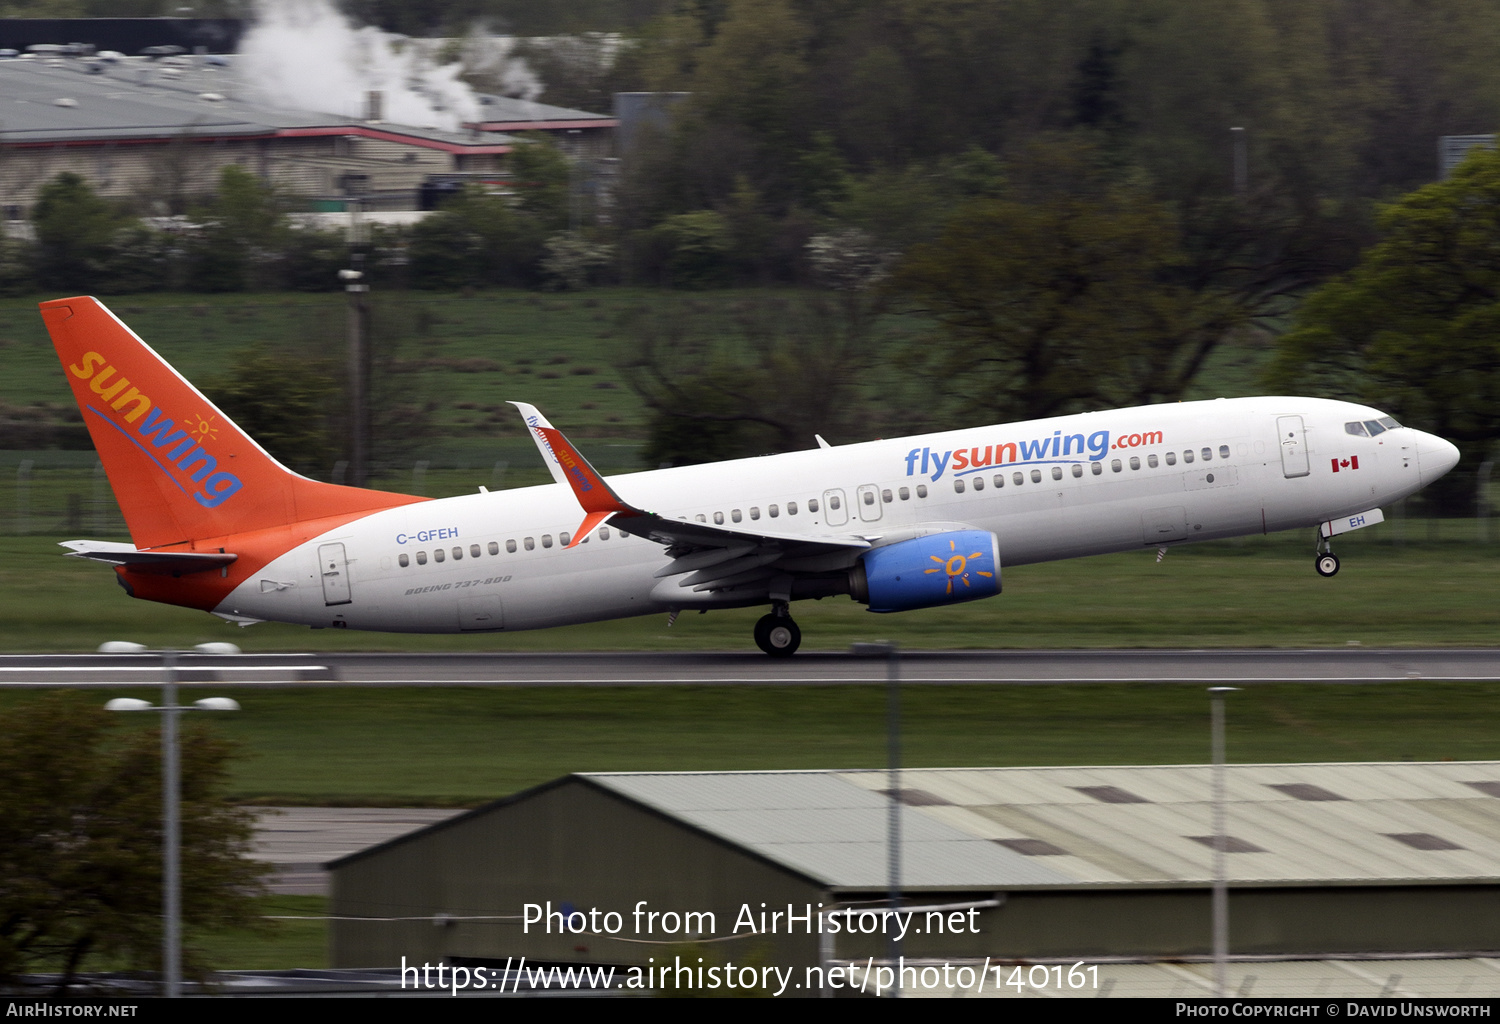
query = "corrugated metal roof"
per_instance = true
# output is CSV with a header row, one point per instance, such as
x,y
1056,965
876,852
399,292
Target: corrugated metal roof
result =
x,y
832,825
136,100
818,824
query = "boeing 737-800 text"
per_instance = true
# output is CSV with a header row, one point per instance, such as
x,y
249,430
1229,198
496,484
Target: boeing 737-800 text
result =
x,y
218,524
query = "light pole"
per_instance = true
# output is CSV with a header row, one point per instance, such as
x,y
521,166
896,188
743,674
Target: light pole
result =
x,y
171,792
1220,909
893,785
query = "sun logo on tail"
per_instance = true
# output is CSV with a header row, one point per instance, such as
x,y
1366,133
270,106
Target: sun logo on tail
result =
x,y
204,429
956,566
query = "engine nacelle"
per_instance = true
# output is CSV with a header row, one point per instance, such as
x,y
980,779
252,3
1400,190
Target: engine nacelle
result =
x,y
944,568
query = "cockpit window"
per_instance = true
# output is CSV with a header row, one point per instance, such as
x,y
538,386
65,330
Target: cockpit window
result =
x,y
1389,422
1356,428
1374,427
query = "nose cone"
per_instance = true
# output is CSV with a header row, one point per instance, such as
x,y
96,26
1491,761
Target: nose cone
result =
x,y
1435,457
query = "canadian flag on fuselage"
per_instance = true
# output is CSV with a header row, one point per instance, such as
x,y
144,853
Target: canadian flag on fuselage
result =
x,y
1351,462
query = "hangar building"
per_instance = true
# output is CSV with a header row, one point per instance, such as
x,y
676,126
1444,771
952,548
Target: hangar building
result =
x,y
1324,859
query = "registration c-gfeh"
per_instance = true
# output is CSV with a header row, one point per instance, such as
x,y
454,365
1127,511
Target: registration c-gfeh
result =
x,y
218,524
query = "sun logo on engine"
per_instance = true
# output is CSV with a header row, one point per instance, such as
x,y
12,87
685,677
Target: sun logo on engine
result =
x,y
956,566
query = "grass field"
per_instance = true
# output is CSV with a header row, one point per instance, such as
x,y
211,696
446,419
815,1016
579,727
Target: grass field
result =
x,y
463,746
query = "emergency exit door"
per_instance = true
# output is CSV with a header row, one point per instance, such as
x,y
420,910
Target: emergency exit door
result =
x,y
334,568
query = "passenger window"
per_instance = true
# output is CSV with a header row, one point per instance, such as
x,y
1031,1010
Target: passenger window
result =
x,y
510,547
473,550
979,483
812,504
1223,451
421,558
921,490
546,540
833,503
1151,461
1036,476
1077,470
1187,456
755,512
437,555
1114,465
1208,454
869,497
999,479
564,538
958,486
1374,427
701,517
791,508
736,515
775,512
1018,478
1096,467
718,519
604,533
404,560
1171,458
1356,428
905,493
494,548
458,554
885,495
1135,462
1057,472
530,544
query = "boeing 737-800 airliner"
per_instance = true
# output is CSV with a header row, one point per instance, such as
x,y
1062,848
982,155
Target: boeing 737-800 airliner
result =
x,y
218,524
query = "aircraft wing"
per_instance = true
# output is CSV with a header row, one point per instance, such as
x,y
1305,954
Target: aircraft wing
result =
x,y
173,563
708,556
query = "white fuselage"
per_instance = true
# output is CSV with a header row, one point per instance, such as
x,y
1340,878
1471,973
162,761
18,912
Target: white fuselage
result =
x,y
1048,489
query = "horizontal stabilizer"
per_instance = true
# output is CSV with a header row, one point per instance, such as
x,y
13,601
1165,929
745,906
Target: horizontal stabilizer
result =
x,y
173,563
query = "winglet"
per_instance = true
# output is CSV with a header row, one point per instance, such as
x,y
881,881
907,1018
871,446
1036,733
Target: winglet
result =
x,y
568,466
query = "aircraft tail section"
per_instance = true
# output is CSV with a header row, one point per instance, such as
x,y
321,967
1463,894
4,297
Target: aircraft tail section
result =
x,y
181,470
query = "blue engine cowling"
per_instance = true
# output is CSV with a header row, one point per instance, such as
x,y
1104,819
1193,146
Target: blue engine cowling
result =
x,y
944,568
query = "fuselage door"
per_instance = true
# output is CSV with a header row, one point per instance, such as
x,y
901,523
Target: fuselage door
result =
x,y
1293,446
868,497
334,568
835,509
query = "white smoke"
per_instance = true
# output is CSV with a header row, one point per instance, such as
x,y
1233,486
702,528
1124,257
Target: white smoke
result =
x,y
305,55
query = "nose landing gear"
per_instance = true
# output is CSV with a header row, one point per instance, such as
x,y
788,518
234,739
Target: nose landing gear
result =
x,y
776,633
1325,561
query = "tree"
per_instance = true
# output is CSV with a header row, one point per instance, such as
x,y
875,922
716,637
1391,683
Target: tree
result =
x,y
1415,327
75,234
474,239
242,238
81,835
1065,293
287,402
765,377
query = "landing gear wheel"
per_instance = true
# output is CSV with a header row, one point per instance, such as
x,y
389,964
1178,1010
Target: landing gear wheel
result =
x,y
1327,564
777,635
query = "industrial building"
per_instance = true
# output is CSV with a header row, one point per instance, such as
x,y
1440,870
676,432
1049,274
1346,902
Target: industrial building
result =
x,y
159,131
1011,863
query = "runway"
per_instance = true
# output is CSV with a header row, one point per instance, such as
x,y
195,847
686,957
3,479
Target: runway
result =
x,y
1351,665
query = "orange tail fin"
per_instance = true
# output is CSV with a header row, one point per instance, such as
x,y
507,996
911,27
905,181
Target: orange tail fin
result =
x,y
180,468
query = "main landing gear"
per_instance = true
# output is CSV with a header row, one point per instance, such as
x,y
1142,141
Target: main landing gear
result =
x,y
776,633
1326,562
